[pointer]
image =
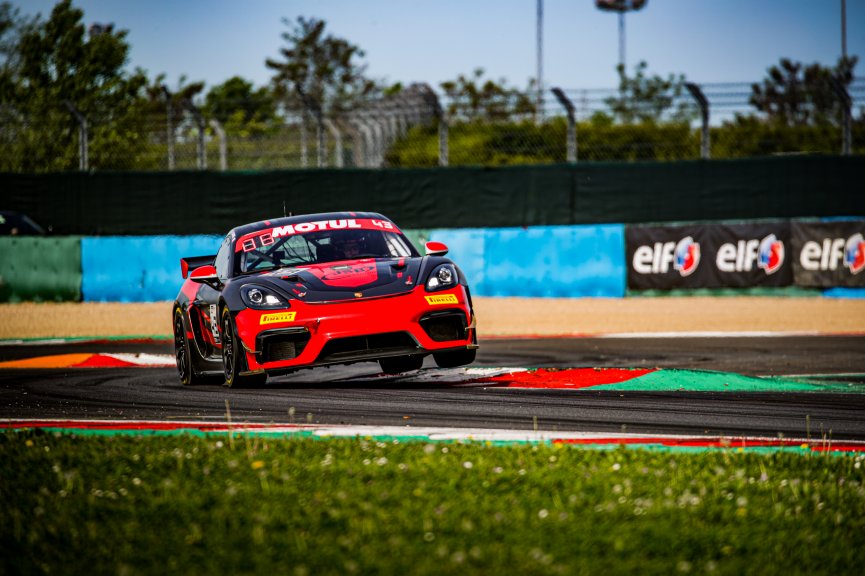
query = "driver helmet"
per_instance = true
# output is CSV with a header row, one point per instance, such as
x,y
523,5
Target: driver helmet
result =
x,y
350,244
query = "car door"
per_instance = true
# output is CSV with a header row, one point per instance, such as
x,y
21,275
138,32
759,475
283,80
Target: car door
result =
x,y
206,305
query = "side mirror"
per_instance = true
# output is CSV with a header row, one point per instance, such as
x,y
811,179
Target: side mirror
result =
x,y
205,275
436,249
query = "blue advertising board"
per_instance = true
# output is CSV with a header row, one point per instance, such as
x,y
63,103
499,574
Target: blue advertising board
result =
x,y
540,261
138,268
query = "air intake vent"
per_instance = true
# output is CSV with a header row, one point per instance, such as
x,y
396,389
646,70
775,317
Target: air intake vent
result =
x,y
444,326
283,346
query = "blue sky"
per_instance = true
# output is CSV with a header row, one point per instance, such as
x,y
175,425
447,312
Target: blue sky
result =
x,y
423,41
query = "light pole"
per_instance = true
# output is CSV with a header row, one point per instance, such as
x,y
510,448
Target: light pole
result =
x,y
844,29
620,6
539,116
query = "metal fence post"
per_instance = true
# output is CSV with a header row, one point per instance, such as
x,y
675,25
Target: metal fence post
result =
x,y
313,107
355,126
393,127
321,143
444,152
223,147
399,118
303,156
378,146
441,115
572,123
202,150
83,160
337,140
846,116
199,120
366,152
704,113
169,128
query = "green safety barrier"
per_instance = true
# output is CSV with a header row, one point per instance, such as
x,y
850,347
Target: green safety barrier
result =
x,y
38,269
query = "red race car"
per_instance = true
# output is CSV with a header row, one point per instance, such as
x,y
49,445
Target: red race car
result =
x,y
317,290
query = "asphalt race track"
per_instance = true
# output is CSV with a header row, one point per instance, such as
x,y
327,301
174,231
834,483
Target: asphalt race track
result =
x,y
357,395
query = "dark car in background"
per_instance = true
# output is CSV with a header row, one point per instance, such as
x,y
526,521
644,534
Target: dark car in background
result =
x,y
17,224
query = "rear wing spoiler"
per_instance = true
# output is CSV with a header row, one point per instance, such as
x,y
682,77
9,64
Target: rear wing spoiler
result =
x,y
190,263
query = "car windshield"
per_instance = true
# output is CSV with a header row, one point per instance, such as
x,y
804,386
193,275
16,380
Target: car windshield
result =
x,y
326,246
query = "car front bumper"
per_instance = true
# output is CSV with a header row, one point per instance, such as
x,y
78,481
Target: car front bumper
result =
x,y
318,334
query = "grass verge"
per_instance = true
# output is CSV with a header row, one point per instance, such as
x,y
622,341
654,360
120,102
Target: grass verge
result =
x,y
220,504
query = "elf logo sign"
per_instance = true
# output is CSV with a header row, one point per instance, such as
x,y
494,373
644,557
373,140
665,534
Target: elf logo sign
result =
x,y
682,256
834,252
746,255
854,253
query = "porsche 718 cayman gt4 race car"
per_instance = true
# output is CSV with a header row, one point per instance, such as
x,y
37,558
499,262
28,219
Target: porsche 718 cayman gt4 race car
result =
x,y
318,290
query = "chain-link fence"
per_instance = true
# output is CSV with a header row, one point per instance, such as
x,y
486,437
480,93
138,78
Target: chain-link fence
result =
x,y
419,128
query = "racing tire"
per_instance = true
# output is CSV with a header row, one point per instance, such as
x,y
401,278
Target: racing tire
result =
x,y
399,364
183,352
454,359
233,358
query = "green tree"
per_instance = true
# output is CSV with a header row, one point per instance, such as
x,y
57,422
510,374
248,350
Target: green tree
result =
x,y
325,68
176,101
241,109
12,27
60,65
159,92
644,98
797,95
476,98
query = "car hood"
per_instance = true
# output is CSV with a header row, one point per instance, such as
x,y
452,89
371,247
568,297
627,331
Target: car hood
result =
x,y
349,279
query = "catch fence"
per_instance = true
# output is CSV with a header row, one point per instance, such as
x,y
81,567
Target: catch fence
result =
x,y
418,127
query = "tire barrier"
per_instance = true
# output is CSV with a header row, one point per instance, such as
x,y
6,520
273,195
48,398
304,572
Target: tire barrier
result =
x,y
40,269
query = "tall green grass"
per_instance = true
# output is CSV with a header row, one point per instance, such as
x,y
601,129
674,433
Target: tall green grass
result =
x,y
239,504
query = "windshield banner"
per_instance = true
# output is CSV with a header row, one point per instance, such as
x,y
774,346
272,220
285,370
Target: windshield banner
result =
x,y
268,236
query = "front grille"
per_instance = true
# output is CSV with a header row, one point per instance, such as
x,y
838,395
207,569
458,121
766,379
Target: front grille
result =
x,y
283,346
444,326
281,351
358,346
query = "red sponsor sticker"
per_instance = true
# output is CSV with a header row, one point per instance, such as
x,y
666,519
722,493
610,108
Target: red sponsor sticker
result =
x,y
347,275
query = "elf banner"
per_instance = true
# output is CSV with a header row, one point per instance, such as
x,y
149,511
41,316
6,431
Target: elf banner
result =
x,y
827,254
709,256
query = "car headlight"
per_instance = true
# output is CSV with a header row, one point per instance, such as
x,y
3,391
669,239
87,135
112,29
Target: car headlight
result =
x,y
443,276
259,297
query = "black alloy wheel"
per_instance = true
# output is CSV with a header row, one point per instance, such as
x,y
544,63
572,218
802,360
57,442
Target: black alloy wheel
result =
x,y
181,352
233,362
183,355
